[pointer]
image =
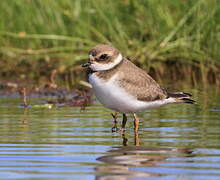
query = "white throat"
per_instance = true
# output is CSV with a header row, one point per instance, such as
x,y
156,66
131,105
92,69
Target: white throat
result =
x,y
102,67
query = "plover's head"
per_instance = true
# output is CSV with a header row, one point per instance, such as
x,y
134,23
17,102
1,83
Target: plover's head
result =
x,y
103,57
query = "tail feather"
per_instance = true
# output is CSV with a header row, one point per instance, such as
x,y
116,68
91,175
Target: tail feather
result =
x,y
187,100
178,94
181,97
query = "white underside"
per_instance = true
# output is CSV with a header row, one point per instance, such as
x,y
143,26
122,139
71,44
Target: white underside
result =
x,y
115,97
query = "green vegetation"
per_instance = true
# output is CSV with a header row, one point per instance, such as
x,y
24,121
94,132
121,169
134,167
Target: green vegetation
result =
x,y
40,36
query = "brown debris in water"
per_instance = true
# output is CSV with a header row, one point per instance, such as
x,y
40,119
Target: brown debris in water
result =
x,y
23,94
50,91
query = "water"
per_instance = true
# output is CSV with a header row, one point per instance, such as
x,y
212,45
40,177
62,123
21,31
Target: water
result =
x,y
174,142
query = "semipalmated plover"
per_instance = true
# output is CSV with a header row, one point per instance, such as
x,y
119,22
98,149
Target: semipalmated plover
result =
x,y
123,87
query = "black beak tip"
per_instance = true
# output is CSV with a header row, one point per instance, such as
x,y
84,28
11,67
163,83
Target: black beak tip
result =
x,y
85,65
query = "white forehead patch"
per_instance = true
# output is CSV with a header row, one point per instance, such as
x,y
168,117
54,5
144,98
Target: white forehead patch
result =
x,y
101,67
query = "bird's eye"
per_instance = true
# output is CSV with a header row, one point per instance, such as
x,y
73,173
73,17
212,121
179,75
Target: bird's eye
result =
x,y
103,57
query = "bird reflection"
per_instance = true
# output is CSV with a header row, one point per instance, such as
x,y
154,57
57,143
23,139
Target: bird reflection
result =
x,y
122,160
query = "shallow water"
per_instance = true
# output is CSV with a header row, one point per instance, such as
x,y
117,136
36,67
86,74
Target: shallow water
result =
x,y
174,142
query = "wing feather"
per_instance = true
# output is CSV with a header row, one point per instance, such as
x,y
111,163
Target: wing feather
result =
x,y
138,83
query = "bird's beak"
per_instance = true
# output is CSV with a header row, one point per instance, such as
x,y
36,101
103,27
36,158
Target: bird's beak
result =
x,y
86,64
91,59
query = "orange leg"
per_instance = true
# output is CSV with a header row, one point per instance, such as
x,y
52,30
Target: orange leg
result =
x,y
136,122
136,139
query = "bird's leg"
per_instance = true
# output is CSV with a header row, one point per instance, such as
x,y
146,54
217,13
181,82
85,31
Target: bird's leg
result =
x,y
136,138
124,120
124,140
115,117
136,123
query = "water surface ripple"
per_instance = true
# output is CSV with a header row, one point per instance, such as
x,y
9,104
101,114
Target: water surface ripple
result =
x,y
174,142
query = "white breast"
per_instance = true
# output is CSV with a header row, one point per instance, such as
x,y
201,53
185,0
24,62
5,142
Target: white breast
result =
x,y
111,95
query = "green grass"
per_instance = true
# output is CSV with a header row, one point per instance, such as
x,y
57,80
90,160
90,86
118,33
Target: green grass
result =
x,y
57,34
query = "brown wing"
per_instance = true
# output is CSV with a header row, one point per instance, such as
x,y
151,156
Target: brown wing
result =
x,y
139,83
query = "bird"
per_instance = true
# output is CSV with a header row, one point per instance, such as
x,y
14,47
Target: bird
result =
x,y
125,88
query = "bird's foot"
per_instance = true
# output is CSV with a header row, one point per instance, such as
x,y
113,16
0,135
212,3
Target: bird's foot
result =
x,y
115,129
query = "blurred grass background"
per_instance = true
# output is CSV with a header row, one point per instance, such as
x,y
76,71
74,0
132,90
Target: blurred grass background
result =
x,y
39,37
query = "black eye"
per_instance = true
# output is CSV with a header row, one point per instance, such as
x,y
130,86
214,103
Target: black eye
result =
x,y
103,57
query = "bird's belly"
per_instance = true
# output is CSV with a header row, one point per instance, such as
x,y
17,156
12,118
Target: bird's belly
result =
x,y
111,95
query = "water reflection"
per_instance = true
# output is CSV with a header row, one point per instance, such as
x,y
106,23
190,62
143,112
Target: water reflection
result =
x,y
123,159
66,143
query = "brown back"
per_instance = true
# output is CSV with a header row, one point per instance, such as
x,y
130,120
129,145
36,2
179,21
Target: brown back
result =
x,y
136,81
